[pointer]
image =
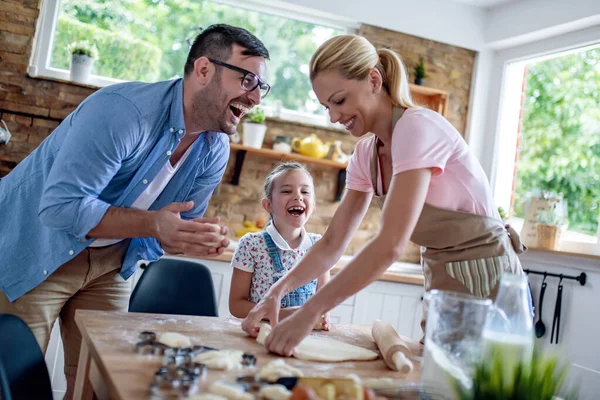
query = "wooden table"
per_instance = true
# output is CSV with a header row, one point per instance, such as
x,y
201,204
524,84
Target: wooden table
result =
x,y
110,368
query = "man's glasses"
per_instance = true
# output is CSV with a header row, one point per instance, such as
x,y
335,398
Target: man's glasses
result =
x,y
249,80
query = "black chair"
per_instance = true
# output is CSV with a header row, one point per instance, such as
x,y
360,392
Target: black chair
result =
x,y
23,372
173,286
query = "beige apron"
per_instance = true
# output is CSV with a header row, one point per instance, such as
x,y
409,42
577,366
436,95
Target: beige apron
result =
x,y
461,252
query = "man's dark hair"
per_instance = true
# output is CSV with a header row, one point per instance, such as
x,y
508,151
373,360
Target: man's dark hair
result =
x,y
216,42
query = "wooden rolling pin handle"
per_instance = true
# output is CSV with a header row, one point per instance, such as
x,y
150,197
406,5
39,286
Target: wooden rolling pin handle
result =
x,y
394,350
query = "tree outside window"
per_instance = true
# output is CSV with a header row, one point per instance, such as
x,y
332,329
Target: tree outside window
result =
x,y
147,40
560,148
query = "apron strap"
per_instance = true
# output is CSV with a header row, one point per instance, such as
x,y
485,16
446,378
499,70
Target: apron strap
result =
x,y
397,113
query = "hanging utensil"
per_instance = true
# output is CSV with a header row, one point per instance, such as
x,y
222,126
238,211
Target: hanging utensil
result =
x,y
540,328
557,307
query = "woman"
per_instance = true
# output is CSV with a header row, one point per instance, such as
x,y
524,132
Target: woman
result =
x,y
432,190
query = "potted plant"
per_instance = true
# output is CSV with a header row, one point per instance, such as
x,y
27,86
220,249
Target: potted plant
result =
x,y
83,54
502,214
420,72
254,128
543,377
548,228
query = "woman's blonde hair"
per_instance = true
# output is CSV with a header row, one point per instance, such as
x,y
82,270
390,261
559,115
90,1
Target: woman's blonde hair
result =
x,y
354,56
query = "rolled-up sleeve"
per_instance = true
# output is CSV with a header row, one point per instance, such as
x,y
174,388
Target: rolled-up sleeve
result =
x,y
103,131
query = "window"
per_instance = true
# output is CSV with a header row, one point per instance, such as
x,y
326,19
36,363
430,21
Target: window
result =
x,y
148,40
550,141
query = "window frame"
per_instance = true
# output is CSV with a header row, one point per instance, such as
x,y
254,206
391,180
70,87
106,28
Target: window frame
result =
x,y
39,65
505,149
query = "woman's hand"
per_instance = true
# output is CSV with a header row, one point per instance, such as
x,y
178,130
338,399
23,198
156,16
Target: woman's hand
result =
x,y
266,309
286,335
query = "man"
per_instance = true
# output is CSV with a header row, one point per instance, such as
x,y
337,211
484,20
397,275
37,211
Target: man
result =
x,y
127,174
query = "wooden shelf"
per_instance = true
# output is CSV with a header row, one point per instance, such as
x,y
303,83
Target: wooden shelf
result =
x,y
241,152
289,156
431,98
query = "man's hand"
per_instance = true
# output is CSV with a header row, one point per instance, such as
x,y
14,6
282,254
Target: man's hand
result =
x,y
178,236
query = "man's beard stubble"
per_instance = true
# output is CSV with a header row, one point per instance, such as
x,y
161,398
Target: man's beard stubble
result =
x,y
211,109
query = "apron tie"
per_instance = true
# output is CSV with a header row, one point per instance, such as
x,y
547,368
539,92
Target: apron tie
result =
x,y
515,239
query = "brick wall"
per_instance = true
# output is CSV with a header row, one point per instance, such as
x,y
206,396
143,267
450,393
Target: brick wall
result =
x,y
449,68
33,107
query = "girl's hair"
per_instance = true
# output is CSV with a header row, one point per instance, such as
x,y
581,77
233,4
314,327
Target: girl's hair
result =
x,y
280,169
354,56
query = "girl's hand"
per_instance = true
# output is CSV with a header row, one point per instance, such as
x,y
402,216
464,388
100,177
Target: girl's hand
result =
x,y
286,335
266,309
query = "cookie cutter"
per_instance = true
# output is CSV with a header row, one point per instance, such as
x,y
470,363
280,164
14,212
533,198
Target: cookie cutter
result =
x,y
174,381
251,382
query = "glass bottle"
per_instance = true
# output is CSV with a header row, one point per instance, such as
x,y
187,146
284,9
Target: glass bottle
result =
x,y
508,330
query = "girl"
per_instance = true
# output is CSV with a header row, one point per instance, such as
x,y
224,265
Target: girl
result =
x,y
263,258
432,189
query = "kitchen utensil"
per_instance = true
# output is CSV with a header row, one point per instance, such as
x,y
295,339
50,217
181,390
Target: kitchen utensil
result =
x,y
393,349
540,328
557,310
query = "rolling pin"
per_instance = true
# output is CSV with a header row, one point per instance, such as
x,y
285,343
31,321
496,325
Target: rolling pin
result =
x,y
394,350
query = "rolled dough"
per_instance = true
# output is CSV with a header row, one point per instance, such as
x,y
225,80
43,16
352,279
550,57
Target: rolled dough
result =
x,y
316,348
174,339
277,369
224,360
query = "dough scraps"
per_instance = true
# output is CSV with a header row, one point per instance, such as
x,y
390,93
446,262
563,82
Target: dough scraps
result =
x,y
174,339
278,369
224,360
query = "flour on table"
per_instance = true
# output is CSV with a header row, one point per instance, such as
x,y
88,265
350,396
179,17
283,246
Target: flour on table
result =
x,y
275,392
278,369
230,391
225,360
316,348
174,339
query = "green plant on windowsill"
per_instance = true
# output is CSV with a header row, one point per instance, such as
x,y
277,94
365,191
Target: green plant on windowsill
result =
x,y
256,115
502,212
549,217
542,378
83,47
420,71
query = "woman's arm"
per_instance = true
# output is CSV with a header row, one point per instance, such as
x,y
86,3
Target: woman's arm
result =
x,y
239,293
403,206
317,261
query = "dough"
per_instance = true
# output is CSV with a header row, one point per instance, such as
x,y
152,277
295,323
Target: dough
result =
x,y
232,392
218,236
275,392
206,396
174,339
225,360
277,369
316,348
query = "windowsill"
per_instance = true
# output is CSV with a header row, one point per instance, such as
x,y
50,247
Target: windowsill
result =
x,y
67,81
305,124
593,256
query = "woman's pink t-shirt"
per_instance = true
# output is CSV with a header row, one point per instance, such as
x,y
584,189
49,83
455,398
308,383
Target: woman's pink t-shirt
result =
x,y
425,139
